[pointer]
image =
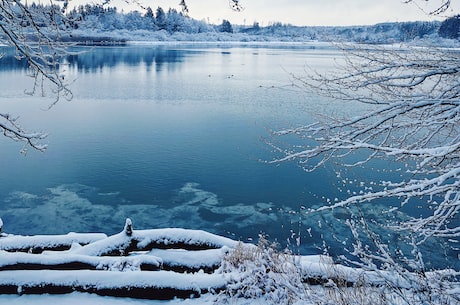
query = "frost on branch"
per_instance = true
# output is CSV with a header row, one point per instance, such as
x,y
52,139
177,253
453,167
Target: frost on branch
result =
x,y
11,129
184,7
431,7
413,117
234,5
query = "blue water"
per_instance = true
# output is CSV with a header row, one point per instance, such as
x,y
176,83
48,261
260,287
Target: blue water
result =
x,y
171,136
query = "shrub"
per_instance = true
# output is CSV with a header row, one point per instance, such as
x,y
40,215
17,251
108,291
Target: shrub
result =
x,y
262,273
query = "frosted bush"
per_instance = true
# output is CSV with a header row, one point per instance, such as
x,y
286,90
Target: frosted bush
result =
x,y
261,273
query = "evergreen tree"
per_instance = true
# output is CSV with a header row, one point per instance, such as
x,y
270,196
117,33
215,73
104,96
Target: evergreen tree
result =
x,y
149,13
174,21
226,26
160,19
450,27
150,19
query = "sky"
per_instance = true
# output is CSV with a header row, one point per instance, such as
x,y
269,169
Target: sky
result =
x,y
307,12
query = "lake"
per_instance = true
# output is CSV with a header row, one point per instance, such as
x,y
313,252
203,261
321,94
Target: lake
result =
x,y
172,136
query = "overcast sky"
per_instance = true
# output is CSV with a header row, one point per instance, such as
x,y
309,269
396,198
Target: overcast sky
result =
x,y
304,12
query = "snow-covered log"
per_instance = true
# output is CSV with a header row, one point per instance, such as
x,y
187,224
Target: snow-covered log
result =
x,y
147,264
160,285
146,240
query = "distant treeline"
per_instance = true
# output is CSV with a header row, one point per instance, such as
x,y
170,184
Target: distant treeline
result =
x,y
109,18
379,33
91,18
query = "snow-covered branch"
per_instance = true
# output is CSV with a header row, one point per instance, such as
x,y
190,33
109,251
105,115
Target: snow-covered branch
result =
x,y
233,4
11,129
437,6
413,117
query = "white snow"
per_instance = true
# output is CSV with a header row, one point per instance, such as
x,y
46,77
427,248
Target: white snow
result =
x,y
192,237
160,236
105,270
195,259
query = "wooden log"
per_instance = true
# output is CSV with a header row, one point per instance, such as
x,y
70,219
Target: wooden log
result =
x,y
160,285
69,261
150,293
122,244
40,243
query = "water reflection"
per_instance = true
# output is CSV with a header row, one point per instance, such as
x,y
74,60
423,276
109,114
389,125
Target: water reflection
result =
x,y
88,60
92,59
10,61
